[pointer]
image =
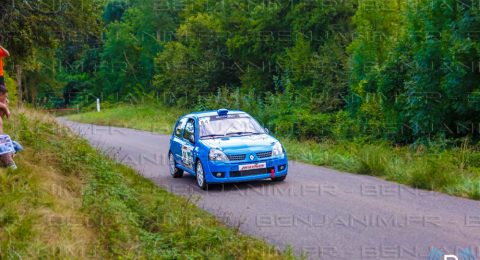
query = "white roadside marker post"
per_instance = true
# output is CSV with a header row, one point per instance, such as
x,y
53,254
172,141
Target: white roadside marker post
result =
x,y
98,105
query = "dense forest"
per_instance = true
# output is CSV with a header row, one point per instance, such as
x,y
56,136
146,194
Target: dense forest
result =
x,y
398,70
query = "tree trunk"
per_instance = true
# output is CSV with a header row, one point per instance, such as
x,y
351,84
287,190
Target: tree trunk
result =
x,y
19,83
33,92
25,89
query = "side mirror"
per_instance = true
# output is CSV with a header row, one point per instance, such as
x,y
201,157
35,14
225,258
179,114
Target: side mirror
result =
x,y
267,131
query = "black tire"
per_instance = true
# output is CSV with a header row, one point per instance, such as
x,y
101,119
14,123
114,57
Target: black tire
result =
x,y
174,171
279,179
200,176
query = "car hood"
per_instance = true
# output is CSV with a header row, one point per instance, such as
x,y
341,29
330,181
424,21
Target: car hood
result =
x,y
239,144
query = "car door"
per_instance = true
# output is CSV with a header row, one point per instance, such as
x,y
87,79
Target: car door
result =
x,y
177,140
189,139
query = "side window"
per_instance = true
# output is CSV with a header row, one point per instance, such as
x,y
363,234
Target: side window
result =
x,y
179,127
189,133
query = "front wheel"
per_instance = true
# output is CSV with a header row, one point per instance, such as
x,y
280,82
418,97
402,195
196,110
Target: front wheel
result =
x,y
201,181
174,171
278,179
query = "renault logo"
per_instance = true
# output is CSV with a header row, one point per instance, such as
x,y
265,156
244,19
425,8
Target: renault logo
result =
x,y
251,157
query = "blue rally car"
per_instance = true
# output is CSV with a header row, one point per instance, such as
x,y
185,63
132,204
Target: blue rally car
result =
x,y
225,146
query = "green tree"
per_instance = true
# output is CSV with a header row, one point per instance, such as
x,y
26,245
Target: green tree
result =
x,y
33,30
129,49
196,64
435,87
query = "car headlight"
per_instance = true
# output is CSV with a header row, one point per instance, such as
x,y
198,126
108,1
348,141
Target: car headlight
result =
x,y
277,149
217,156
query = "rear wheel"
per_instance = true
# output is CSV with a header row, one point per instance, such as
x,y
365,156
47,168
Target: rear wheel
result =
x,y
201,181
174,171
278,179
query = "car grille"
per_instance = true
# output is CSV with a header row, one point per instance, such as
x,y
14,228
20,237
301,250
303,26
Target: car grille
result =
x,y
264,155
236,157
250,172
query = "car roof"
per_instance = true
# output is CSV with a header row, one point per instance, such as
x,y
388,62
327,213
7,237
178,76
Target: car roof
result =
x,y
212,113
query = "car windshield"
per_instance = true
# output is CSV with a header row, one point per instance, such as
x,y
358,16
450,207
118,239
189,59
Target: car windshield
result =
x,y
231,125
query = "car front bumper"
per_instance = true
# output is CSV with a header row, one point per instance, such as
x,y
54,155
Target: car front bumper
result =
x,y
229,171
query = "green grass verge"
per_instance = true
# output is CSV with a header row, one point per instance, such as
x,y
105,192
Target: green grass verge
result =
x,y
66,201
454,171
153,118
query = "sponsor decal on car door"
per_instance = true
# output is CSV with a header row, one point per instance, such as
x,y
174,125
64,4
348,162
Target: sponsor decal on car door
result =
x,y
187,155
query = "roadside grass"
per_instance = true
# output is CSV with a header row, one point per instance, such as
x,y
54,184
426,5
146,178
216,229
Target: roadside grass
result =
x,y
67,201
153,118
455,171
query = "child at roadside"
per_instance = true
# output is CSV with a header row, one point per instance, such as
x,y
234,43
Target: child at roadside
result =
x,y
6,159
3,53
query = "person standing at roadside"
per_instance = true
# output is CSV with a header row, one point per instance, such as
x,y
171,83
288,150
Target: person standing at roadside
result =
x,y
3,54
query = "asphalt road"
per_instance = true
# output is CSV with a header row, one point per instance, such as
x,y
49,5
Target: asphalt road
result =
x,y
319,211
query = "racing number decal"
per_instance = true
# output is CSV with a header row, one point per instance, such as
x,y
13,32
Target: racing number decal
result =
x,y
187,157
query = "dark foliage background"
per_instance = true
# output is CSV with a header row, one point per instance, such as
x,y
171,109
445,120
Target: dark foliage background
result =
x,y
402,71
